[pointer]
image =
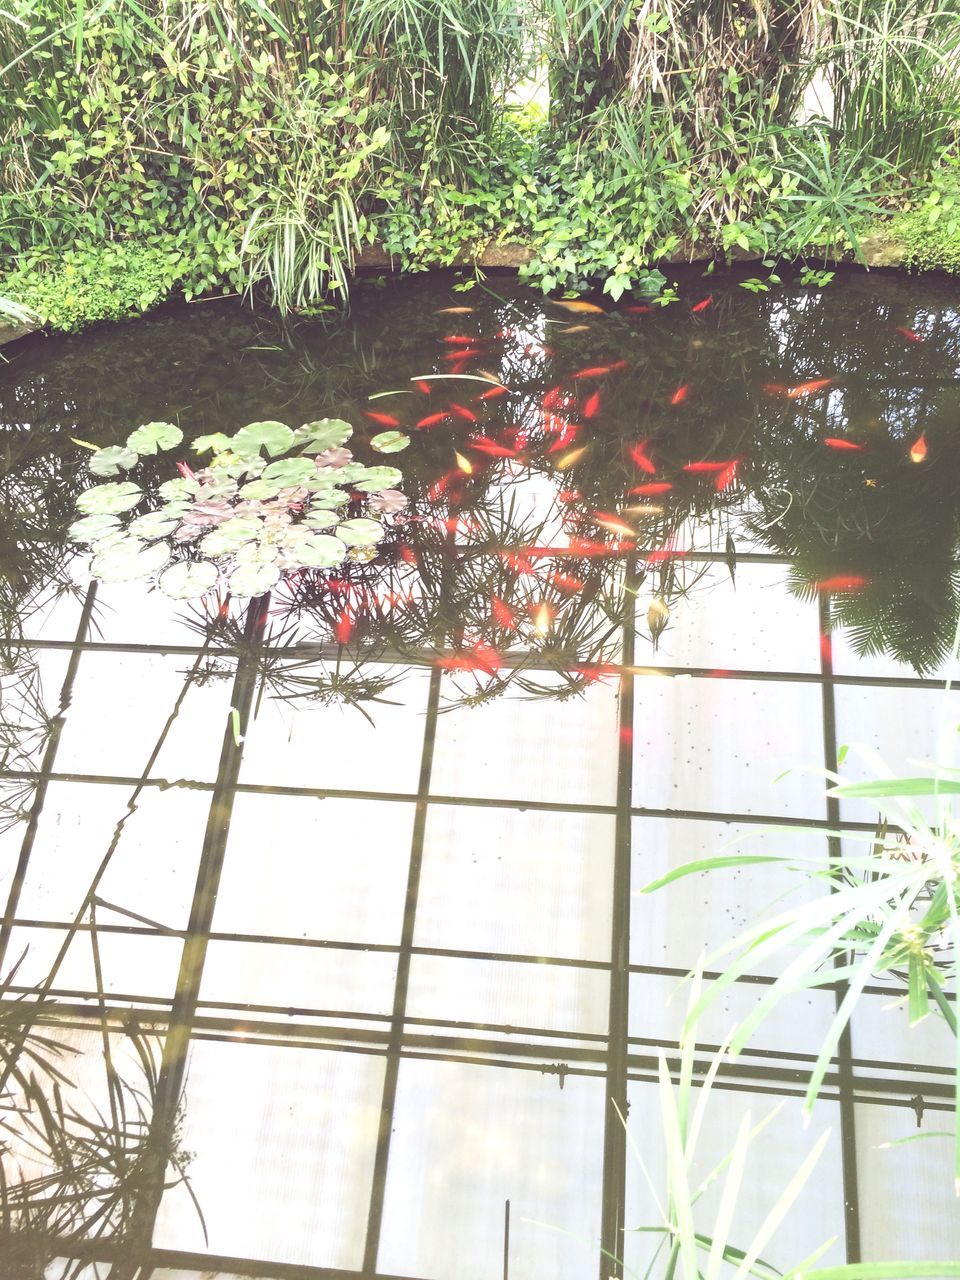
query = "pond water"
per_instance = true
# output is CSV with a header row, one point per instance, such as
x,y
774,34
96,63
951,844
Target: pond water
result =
x,y
357,866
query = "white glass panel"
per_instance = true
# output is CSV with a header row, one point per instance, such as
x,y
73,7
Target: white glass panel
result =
x,y
300,744
774,1156
756,625
882,1033
297,866
721,745
129,613
847,661
521,882
54,615
284,1142
465,1140
120,706
554,997
908,1209
530,749
132,966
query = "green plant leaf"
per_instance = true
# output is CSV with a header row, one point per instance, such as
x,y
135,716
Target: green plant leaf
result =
x,y
154,436
126,563
231,535
253,579
390,442
107,499
90,528
289,471
179,487
155,524
325,433
360,532
321,551
189,579
375,479
274,437
896,787
217,441
107,462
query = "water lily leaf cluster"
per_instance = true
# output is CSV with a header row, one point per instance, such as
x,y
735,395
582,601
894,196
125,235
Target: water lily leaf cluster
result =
x,y
269,501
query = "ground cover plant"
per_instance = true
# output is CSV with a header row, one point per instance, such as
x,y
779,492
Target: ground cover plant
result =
x,y
187,148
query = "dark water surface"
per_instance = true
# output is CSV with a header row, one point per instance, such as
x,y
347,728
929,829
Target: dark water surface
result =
x,y
361,862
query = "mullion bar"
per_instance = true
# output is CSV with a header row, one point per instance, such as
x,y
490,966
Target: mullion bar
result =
x,y
844,1057
404,960
45,773
615,1091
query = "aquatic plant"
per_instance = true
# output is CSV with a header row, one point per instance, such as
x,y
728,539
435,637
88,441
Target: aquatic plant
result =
x,y
270,502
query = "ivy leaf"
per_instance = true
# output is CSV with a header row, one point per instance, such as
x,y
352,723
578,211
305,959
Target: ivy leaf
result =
x,y
272,436
321,551
90,528
107,462
189,579
389,442
374,479
324,433
126,563
106,499
216,441
154,436
253,579
360,533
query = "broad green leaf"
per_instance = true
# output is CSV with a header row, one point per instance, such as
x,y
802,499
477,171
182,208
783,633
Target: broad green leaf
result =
x,y
320,519
217,441
389,442
90,528
257,553
352,471
291,471
709,864
321,551
360,533
155,524
154,436
275,437
107,499
107,462
188,579
896,787
879,1271
231,535
325,433
322,480
120,564
375,479
262,489
253,579
329,501
179,487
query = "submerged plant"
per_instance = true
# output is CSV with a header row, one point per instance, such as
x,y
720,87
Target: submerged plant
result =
x,y
271,501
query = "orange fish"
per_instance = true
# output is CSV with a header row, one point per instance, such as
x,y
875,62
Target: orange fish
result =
x,y
343,628
568,435
585,307
832,442
486,445
479,658
698,467
918,450
809,388
460,357
565,582
911,335
601,370
502,613
491,394
384,419
434,419
568,495
850,582
463,464
727,476
454,311
592,406
423,386
680,394
638,454
570,458
639,310
463,413
607,520
659,486
518,564
702,305
459,340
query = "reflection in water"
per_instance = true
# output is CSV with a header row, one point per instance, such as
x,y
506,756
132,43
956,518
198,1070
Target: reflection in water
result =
x,y
637,544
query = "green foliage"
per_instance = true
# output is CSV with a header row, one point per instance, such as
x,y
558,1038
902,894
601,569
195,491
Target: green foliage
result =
x,y
929,229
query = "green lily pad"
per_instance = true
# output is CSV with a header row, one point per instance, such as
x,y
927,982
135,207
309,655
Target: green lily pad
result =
x,y
329,501
107,499
114,538
231,535
360,532
154,436
257,553
253,579
90,528
109,461
216,441
352,471
272,436
262,488
235,466
188,579
155,524
122,564
320,519
389,442
325,433
376,479
179,487
321,551
321,479
292,471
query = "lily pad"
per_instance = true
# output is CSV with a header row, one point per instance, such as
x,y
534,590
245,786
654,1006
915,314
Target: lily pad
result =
x,y
154,436
235,466
375,479
324,433
320,519
216,441
352,471
179,487
257,553
389,442
106,499
121,564
321,551
272,436
360,532
262,488
253,579
113,459
188,579
329,501
155,524
231,535
292,471
90,528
